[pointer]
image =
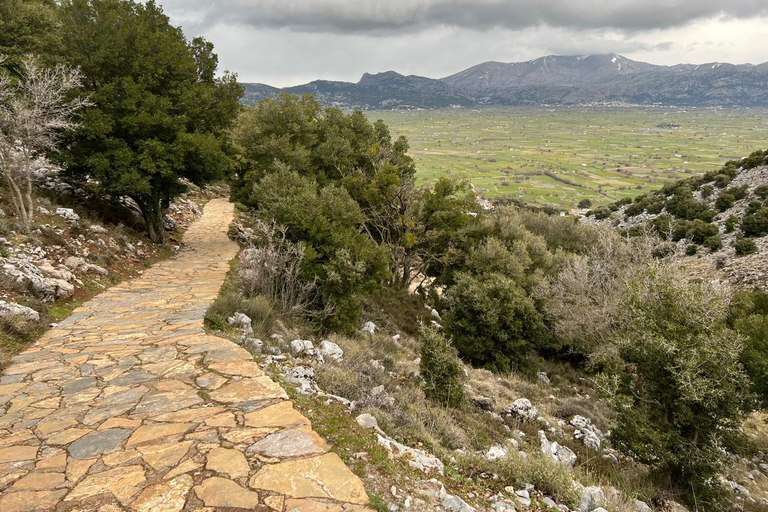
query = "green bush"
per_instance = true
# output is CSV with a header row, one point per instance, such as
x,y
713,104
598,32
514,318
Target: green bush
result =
x,y
730,223
698,231
493,322
601,213
229,302
724,201
691,250
762,191
754,357
585,203
713,243
679,389
441,369
756,223
744,246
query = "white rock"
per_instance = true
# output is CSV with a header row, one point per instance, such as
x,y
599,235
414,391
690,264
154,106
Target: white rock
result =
x,y
417,459
331,351
496,452
68,214
543,377
299,347
369,327
241,321
557,452
435,314
376,365
521,409
366,420
456,504
641,506
588,433
591,498
99,230
10,311
549,502
503,506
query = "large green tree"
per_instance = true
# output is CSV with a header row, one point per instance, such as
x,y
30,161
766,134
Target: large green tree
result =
x,y
159,113
27,27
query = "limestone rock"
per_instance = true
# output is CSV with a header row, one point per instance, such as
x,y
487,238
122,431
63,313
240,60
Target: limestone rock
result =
x,y
641,506
588,433
10,312
369,327
418,459
485,403
556,452
68,214
521,409
331,351
456,504
591,498
300,347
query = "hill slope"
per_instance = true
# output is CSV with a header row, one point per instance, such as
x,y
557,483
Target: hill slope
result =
x,y
554,79
718,220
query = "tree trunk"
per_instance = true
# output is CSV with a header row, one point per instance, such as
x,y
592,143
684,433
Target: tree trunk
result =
x,y
153,218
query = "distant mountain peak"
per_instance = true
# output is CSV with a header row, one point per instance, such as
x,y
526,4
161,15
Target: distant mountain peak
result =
x,y
547,80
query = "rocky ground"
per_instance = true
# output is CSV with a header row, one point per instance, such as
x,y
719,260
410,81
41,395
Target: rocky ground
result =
x,y
129,405
73,253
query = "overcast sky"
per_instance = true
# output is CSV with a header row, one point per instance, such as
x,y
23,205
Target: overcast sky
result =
x,y
289,42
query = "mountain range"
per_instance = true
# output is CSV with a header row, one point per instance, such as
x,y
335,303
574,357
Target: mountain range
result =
x,y
550,80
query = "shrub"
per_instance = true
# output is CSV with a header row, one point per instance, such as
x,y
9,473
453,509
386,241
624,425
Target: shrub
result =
x,y
713,243
273,269
441,369
730,223
492,321
724,201
698,231
602,213
691,250
754,357
755,224
762,191
229,302
744,246
707,190
679,390
585,203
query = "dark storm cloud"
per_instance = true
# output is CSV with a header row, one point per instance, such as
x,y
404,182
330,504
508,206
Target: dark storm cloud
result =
x,y
378,16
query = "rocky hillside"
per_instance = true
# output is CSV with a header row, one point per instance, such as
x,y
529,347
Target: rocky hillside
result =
x,y
550,80
717,222
80,245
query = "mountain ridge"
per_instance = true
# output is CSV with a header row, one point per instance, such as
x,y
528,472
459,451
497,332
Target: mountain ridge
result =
x,y
547,80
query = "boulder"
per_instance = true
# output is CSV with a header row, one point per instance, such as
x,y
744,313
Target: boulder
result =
x,y
591,498
521,409
543,377
435,314
241,321
417,459
556,451
13,312
641,506
496,452
586,432
80,265
456,504
303,377
26,277
99,230
369,327
503,506
331,351
68,214
367,421
299,347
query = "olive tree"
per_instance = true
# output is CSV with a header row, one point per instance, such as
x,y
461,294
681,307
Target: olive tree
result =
x,y
34,111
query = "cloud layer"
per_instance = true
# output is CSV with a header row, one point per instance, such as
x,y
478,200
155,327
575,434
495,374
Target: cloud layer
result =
x,y
286,42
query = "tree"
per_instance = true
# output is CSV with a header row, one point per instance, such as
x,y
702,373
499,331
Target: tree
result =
x,y
27,27
34,111
338,253
585,203
329,146
492,321
159,115
441,370
678,387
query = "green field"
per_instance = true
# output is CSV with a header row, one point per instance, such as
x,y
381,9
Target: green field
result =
x,y
557,156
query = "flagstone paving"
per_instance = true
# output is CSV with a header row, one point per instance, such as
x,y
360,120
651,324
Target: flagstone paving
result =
x,y
128,405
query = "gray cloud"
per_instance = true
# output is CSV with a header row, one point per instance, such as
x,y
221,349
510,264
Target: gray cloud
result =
x,y
381,17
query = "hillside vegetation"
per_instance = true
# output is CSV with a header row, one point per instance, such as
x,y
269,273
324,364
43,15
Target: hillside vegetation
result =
x,y
720,217
339,237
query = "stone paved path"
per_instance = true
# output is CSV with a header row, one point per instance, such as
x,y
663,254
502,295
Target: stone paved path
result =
x,y
129,406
